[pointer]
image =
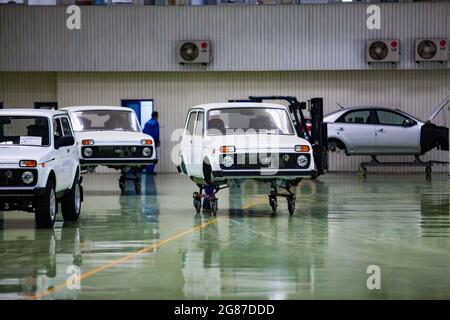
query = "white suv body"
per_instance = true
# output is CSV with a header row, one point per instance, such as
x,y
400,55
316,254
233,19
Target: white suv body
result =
x,y
110,136
39,164
243,141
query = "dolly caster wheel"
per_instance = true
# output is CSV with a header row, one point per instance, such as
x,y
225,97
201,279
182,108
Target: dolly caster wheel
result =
x,y
214,207
122,186
137,187
197,202
291,206
362,171
273,204
428,172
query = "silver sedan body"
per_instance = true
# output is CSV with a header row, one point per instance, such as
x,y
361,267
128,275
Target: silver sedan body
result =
x,y
374,131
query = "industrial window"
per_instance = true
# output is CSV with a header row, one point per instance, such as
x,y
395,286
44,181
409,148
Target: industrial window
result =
x,y
46,105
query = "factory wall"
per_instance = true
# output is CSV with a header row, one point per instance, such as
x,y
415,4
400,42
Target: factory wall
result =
x,y
244,38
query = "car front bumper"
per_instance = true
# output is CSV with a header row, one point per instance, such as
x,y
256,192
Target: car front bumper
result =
x,y
261,174
20,192
136,162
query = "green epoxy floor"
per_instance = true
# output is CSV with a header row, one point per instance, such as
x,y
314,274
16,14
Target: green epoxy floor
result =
x,y
343,224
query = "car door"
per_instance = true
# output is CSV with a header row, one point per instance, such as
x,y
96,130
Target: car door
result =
x,y
356,129
187,152
60,156
197,144
396,133
72,152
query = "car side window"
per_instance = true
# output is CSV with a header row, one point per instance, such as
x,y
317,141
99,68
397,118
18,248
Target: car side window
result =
x,y
199,127
357,117
387,117
66,126
190,123
57,128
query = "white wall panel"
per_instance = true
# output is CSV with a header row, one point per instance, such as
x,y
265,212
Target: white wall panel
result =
x,y
20,89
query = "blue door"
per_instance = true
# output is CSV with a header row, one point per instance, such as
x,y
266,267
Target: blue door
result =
x,y
142,108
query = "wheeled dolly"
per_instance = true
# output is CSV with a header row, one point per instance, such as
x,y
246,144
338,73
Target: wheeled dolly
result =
x,y
137,180
416,163
213,200
290,197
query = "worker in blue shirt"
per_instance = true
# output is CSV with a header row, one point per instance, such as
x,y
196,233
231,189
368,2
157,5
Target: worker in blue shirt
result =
x,y
152,129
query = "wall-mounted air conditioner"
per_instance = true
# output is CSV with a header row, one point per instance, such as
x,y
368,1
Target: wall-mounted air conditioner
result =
x,y
431,49
383,51
194,51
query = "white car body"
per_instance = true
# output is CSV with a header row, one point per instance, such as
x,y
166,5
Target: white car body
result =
x,y
201,155
60,164
383,131
112,148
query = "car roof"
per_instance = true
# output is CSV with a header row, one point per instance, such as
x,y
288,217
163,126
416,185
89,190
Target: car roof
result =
x,y
83,108
31,112
223,105
341,111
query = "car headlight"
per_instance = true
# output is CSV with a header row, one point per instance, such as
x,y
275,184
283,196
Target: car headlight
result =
x,y
302,161
27,177
88,152
146,151
228,161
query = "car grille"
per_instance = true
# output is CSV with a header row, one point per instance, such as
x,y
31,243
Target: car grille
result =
x,y
13,178
117,152
251,161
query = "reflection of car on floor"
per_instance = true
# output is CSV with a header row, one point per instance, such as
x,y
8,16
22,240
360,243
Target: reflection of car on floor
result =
x,y
39,165
112,136
226,142
384,131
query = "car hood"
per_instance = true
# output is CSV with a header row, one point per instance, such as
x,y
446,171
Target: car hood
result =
x,y
437,110
13,154
255,141
116,137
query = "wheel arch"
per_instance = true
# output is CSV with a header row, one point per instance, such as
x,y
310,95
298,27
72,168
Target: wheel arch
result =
x,y
341,144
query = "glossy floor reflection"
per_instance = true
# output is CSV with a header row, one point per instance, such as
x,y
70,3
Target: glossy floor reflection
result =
x,y
343,224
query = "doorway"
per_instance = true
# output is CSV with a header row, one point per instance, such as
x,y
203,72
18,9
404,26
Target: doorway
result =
x,y
142,107
46,105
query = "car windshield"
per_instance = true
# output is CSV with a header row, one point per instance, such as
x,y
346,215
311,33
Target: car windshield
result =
x,y
24,131
247,120
105,120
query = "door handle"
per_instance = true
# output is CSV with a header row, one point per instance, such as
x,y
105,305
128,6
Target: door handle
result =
x,y
381,130
340,129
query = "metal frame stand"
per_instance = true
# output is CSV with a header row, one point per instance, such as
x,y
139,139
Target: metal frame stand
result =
x,y
374,162
290,197
136,178
213,200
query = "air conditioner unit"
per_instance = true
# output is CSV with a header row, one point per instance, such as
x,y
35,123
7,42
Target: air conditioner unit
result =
x,y
432,49
383,51
194,51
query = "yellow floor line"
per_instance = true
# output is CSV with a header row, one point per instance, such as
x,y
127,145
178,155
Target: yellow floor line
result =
x,y
126,258
131,256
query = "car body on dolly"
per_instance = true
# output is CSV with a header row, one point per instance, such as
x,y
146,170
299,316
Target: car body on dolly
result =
x,y
384,131
111,136
224,143
39,165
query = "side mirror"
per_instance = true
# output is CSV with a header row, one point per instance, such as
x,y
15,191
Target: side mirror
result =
x,y
408,123
64,141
